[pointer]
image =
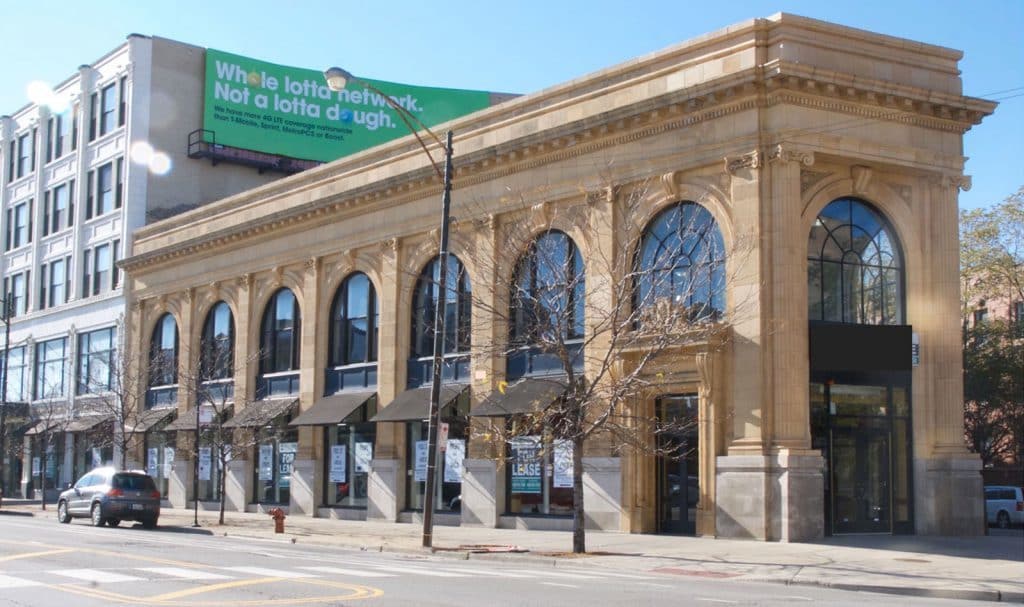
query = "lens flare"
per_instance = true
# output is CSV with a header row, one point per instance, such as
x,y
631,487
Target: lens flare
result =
x,y
160,163
141,152
39,92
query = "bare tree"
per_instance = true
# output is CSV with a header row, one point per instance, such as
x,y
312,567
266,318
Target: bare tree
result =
x,y
111,379
603,326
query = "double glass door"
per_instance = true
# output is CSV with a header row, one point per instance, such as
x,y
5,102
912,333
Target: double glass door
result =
x,y
861,484
676,472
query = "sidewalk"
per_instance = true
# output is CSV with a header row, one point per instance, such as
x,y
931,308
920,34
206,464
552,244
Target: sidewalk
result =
x,y
978,568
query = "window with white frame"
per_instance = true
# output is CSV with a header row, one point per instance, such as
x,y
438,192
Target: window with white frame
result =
x,y
104,189
54,283
58,208
51,360
19,225
96,352
17,374
26,160
63,133
16,290
99,273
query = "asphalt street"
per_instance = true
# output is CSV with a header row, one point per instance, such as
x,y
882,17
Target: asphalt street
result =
x,y
44,563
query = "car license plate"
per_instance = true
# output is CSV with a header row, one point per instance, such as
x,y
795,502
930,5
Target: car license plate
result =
x,y
137,507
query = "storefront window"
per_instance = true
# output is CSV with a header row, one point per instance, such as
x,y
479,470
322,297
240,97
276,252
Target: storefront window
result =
x,y
449,461
275,455
90,452
54,464
347,460
539,476
159,450
209,471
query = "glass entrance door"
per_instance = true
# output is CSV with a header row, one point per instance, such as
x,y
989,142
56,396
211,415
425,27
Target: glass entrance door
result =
x,y
861,487
677,472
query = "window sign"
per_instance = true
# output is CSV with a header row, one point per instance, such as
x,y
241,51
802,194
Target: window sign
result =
x,y
168,461
453,457
284,467
915,350
205,415
36,466
338,464
526,464
152,461
563,464
420,471
364,454
97,457
266,462
204,463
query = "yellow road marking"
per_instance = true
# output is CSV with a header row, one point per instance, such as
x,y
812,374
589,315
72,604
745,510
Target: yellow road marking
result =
x,y
118,554
28,555
212,588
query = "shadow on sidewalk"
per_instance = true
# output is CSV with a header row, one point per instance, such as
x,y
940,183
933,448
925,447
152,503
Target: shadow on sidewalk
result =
x,y
5,512
1000,547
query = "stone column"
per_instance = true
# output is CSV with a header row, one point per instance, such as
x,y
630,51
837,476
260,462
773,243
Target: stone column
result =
x,y
304,492
948,485
386,491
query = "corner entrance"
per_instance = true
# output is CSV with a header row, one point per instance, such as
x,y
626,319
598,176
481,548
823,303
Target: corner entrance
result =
x,y
677,473
863,431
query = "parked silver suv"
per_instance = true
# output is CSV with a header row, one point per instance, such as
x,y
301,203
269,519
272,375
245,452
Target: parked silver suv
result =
x,y
108,496
1004,505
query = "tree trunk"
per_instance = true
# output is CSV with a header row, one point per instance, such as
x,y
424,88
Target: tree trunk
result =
x,y
222,482
42,475
579,539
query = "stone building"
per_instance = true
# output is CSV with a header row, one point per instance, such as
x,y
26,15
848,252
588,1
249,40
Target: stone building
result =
x,y
837,153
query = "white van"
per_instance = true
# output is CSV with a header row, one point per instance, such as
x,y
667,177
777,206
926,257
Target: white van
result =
x,y
1004,505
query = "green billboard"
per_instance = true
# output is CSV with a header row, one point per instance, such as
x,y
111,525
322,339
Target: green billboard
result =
x,y
290,111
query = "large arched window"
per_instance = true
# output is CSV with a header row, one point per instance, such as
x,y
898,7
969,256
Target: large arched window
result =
x,y
163,353
279,338
218,343
547,296
855,268
682,260
457,307
354,322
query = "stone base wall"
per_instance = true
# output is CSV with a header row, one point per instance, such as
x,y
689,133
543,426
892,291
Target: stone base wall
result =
x,y
303,487
949,496
385,491
602,493
773,497
483,493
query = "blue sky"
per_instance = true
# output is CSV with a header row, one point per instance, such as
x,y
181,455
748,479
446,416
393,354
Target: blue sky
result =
x,y
519,46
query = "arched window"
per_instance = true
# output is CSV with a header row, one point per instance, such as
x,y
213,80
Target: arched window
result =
x,y
457,306
218,344
279,339
855,268
354,322
682,260
547,295
163,353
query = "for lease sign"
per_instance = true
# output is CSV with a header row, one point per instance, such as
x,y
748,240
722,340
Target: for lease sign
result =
x,y
290,111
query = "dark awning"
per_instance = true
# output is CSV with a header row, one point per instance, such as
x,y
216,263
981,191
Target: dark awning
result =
x,y
526,396
147,420
87,422
332,409
261,413
413,405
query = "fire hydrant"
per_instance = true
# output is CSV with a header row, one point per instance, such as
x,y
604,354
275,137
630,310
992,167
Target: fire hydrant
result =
x,y
278,515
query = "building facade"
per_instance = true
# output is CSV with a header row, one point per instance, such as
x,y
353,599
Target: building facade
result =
x,y
834,155
84,165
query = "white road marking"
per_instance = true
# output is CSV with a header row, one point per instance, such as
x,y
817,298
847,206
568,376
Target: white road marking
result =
x,y
559,585
267,572
185,574
707,600
15,582
416,570
558,574
96,575
602,573
491,572
352,572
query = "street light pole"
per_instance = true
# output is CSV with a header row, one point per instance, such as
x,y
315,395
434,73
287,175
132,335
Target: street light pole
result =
x,y
337,78
3,394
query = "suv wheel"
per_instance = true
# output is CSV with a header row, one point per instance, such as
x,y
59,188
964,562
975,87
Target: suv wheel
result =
x,y
62,513
1003,520
97,516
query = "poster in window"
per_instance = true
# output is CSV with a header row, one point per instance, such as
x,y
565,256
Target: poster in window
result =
x,y
168,461
266,462
204,463
339,462
420,471
453,456
563,464
152,461
526,464
36,466
284,466
364,454
97,457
